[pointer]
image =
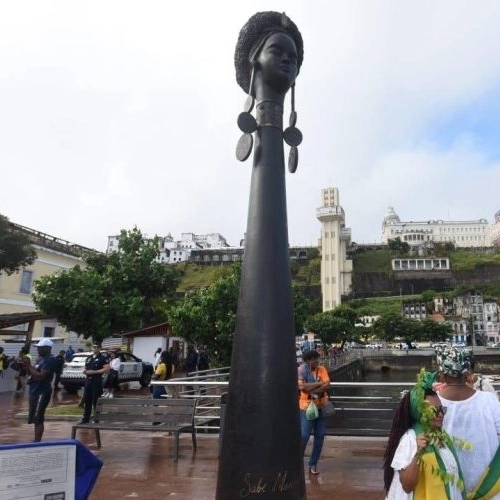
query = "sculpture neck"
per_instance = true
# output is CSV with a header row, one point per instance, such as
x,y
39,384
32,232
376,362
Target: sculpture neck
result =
x,y
269,114
264,92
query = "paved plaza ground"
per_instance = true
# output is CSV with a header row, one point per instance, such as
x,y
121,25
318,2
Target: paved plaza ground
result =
x,y
139,464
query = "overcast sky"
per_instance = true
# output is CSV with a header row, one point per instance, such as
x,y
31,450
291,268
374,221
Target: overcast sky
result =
x,y
117,113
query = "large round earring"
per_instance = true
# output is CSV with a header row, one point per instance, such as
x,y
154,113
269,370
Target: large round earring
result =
x,y
247,124
293,136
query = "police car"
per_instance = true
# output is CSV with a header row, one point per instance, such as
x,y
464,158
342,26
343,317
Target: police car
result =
x,y
132,369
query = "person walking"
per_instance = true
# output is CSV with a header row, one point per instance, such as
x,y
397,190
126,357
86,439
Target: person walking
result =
x,y
190,366
96,365
21,371
420,461
203,364
59,369
314,383
4,361
474,417
40,384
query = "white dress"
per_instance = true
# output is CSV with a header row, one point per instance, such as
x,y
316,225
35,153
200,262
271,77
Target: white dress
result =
x,y
477,421
404,455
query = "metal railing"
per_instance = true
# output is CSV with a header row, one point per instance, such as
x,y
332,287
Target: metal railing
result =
x,y
209,386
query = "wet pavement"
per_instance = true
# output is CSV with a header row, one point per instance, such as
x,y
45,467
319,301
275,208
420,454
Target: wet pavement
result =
x,y
140,464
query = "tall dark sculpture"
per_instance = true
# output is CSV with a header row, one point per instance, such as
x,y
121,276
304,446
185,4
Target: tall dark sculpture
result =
x,y
261,453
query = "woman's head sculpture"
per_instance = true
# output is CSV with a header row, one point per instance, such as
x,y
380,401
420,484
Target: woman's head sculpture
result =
x,y
268,57
263,35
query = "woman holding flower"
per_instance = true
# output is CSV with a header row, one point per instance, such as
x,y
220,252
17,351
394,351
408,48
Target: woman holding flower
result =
x,y
420,461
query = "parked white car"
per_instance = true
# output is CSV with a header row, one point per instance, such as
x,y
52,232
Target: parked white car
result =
x,y
132,369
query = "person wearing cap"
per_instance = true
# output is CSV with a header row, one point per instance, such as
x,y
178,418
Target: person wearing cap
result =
x,y
96,365
40,384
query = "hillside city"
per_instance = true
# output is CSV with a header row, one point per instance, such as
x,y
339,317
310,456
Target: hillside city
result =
x,y
445,272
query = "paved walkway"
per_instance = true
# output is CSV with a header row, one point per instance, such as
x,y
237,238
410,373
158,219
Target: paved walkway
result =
x,y
140,465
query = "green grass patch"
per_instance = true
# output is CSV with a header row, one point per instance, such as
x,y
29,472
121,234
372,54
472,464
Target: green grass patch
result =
x,y
462,260
195,276
372,262
379,305
64,411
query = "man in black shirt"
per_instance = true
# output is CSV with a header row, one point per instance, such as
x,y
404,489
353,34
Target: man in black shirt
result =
x,y
59,369
96,365
190,365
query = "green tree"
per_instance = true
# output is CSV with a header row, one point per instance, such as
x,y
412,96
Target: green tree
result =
x,y
302,308
434,331
428,295
398,247
346,312
329,327
392,325
121,291
15,248
208,315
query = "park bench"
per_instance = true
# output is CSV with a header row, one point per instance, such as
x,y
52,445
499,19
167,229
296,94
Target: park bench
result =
x,y
143,414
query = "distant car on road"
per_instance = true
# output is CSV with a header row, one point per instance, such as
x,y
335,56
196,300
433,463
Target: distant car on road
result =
x,y
460,344
441,344
132,369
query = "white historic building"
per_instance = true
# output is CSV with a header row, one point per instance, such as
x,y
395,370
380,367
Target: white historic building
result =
x,y
172,251
336,270
471,233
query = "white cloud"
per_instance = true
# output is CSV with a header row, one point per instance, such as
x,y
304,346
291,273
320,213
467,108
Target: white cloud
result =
x,y
119,113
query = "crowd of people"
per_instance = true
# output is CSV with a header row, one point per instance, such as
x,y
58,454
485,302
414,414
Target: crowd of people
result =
x,y
101,370
444,441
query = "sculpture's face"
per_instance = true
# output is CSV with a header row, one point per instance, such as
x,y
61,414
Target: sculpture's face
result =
x,y
277,62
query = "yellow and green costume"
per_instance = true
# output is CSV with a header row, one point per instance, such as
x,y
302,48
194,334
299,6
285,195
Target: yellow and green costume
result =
x,y
434,481
489,483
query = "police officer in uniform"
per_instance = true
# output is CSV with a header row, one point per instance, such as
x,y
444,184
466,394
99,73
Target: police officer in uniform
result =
x,y
96,365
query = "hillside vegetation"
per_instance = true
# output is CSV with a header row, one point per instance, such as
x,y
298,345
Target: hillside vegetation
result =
x,y
378,306
460,260
196,276
308,272
463,260
377,261
304,273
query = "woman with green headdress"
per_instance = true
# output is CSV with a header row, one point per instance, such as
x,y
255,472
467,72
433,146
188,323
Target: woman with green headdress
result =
x,y
420,460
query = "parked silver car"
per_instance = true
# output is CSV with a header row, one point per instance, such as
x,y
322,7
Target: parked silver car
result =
x,y
132,369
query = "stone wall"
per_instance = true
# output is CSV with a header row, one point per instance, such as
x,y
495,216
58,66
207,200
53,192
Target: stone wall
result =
x,y
381,284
